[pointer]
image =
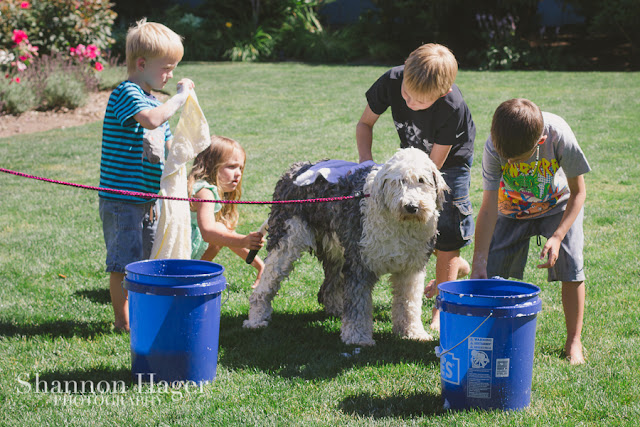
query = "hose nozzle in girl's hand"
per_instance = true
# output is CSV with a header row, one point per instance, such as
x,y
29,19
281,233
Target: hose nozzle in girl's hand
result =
x,y
253,252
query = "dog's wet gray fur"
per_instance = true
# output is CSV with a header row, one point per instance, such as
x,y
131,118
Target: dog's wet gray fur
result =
x,y
333,232
341,217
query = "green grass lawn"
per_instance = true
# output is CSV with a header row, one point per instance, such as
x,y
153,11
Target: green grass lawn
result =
x,y
55,311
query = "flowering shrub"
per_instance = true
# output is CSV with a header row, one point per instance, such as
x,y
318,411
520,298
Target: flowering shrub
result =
x,y
57,26
68,37
90,54
16,59
40,90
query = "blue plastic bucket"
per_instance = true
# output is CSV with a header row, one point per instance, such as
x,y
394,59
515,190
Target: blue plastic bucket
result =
x,y
174,315
487,338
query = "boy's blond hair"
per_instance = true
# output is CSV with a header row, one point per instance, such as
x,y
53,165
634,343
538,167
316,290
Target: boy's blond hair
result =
x,y
516,127
152,40
430,70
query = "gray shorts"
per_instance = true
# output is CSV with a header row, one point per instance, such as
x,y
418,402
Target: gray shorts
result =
x,y
510,247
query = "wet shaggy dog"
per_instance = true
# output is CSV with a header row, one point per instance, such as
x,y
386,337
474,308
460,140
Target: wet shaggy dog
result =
x,y
393,231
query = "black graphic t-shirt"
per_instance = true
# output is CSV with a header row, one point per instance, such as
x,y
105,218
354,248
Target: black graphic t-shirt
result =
x,y
447,122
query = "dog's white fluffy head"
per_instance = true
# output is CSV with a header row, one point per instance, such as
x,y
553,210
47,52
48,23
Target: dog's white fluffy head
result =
x,y
409,185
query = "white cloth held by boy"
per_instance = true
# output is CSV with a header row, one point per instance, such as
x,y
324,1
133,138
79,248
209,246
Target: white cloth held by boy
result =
x,y
173,238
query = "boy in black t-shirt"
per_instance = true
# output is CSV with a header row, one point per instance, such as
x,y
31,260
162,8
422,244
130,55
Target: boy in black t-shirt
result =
x,y
430,114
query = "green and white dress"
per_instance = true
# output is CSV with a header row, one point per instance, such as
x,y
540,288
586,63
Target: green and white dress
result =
x,y
198,245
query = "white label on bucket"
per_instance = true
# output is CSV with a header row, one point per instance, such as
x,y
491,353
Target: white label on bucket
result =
x,y
479,383
502,368
479,373
477,343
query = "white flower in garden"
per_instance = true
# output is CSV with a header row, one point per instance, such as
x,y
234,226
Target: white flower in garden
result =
x,y
6,57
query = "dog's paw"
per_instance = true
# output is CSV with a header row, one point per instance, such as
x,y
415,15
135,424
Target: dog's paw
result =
x,y
252,324
359,341
419,336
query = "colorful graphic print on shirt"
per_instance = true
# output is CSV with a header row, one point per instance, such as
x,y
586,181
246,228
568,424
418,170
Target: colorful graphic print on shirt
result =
x,y
527,191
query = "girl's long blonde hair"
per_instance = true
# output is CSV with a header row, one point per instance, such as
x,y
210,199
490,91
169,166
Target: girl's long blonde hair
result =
x,y
206,166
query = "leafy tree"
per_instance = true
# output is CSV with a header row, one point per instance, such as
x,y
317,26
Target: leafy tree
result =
x,y
613,17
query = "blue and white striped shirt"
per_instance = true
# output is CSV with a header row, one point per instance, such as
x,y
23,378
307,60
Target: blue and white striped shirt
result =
x,y
123,165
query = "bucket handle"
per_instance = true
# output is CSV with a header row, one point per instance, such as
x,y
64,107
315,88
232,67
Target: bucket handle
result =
x,y
227,289
440,353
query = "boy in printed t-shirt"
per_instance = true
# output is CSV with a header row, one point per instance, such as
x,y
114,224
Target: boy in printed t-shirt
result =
x,y
134,133
532,172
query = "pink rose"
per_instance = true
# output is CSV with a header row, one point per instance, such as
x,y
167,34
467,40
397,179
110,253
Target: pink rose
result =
x,y
25,5
19,36
92,51
99,66
17,80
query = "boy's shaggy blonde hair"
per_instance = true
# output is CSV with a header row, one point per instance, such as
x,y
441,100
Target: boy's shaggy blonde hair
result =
x,y
430,70
152,40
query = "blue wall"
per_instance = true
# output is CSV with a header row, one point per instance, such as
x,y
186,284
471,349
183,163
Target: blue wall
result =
x,y
554,13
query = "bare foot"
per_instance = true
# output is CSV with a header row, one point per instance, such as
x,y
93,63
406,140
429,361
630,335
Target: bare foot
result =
x,y
122,328
431,289
256,283
435,319
574,353
463,268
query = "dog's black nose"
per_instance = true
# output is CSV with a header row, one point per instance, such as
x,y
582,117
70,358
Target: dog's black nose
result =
x,y
411,208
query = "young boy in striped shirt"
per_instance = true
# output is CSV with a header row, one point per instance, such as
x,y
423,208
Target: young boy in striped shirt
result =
x,y
135,131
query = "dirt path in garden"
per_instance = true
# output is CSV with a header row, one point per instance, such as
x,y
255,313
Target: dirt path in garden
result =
x,y
38,121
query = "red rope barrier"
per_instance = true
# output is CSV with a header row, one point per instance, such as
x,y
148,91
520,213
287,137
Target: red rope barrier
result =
x,y
358,194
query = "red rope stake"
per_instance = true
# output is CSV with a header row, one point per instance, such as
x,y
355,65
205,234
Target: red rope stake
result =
x,y
357,195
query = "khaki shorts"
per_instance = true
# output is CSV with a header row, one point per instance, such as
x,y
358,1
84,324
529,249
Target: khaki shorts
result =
x,y
510,247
